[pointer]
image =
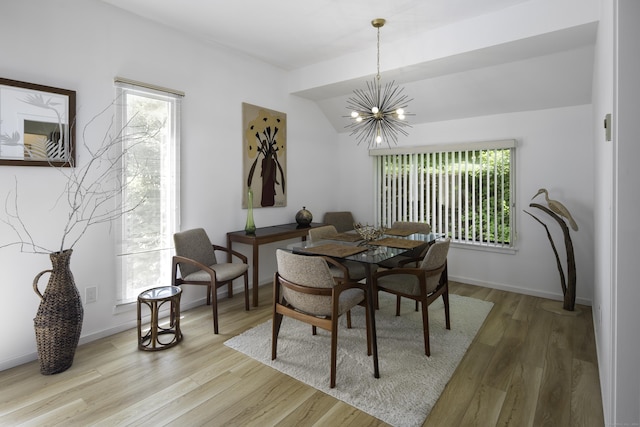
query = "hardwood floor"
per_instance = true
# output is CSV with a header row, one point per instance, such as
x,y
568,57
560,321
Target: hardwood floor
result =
x,y
526,367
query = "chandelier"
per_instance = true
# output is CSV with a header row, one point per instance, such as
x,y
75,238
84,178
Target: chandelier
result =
x,y
378,113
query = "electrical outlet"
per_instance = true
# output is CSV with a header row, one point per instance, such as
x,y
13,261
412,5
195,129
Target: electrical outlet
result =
x,y
90,294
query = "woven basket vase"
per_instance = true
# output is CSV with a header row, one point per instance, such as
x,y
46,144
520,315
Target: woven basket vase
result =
x,y
58,322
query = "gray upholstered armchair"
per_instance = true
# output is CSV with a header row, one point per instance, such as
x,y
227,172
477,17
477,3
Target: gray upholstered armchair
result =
x,y
423,284
305,289
342,221
196,258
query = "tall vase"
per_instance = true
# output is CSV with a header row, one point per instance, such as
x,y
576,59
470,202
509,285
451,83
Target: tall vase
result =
x,y
58,322
250,227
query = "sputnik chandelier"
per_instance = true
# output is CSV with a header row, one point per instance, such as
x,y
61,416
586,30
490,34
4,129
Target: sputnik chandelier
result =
x,y
378,114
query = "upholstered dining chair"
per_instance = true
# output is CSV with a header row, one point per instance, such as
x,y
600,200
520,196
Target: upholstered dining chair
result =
x,y
196,258
304,289
423,284
357,270
342,221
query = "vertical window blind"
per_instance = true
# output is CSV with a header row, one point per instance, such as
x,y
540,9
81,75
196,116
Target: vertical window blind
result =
x,y
464,191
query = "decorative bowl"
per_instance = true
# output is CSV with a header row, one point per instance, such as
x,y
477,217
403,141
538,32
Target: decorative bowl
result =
x,y
368,232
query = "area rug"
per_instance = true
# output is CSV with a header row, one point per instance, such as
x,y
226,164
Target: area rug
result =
x,y
409,384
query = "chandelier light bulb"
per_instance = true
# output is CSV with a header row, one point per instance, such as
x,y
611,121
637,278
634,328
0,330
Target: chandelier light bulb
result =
x,y
354,114
400,112
375,110
401,116
358,119
378,139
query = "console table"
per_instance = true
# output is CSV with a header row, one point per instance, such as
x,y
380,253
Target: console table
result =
x,y
264,235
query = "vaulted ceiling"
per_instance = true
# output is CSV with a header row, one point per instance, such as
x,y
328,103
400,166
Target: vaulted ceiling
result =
x,y
455,58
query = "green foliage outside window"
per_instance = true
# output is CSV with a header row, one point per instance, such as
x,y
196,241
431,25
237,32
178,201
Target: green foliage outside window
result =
x,y
464,194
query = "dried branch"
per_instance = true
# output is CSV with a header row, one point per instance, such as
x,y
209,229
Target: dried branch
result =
x,y
93,193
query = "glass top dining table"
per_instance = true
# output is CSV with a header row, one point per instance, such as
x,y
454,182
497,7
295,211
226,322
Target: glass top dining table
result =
x,y
369,254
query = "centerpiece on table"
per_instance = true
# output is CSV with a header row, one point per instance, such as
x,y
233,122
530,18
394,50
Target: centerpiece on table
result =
x,y
368,232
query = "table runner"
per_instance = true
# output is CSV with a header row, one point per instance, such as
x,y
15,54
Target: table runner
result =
x,y
404,232
394,242
345,237
332,249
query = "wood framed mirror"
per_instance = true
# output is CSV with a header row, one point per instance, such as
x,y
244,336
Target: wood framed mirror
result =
x,y
37,125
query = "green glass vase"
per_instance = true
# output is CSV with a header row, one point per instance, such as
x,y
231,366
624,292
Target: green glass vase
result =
x,y
250,227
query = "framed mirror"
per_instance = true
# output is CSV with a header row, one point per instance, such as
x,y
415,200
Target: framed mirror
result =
x,y
36,124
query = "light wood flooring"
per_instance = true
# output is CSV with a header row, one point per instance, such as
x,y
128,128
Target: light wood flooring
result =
x,y
526,367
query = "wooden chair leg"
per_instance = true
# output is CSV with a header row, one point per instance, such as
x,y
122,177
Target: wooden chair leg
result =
x,y
425,327
334,351
447,317
349,319
277,318
214,308
397,305
277,321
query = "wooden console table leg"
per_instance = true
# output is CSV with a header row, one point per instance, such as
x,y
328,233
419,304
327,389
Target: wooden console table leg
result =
x,y
255,283
229,259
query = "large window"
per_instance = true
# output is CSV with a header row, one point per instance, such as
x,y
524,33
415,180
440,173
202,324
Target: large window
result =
x,y
465,191
150,122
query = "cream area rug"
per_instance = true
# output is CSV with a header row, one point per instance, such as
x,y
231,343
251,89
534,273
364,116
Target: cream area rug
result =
x,y
410,382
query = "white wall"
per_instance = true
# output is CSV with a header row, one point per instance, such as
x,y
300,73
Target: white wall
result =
x,y
555,152
82,45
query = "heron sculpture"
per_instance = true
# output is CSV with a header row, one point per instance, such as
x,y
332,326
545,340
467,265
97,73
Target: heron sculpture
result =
x,y
557,207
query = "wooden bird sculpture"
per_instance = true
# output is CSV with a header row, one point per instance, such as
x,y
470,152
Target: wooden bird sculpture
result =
x,y
557,207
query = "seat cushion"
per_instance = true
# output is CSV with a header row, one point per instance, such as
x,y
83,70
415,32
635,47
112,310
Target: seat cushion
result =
x,y
405,283
349,299
357,270
224,271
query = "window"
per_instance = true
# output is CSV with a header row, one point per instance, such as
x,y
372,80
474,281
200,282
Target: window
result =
x,y
150,122
463,191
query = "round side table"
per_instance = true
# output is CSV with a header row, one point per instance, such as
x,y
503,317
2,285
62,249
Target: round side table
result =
x,y
158,337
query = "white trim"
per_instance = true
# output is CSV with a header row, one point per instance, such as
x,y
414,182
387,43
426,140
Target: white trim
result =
x,y
517,290
437,148
123,81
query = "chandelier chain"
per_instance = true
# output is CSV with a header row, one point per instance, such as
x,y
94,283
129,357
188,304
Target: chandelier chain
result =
x,y
378,75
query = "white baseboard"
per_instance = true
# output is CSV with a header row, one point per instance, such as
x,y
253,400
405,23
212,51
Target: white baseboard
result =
x,y
518,290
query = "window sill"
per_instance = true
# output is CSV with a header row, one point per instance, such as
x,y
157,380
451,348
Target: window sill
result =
x,y
485,248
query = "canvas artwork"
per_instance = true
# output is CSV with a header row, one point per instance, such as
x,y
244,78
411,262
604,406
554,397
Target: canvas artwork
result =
x,y
264,156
